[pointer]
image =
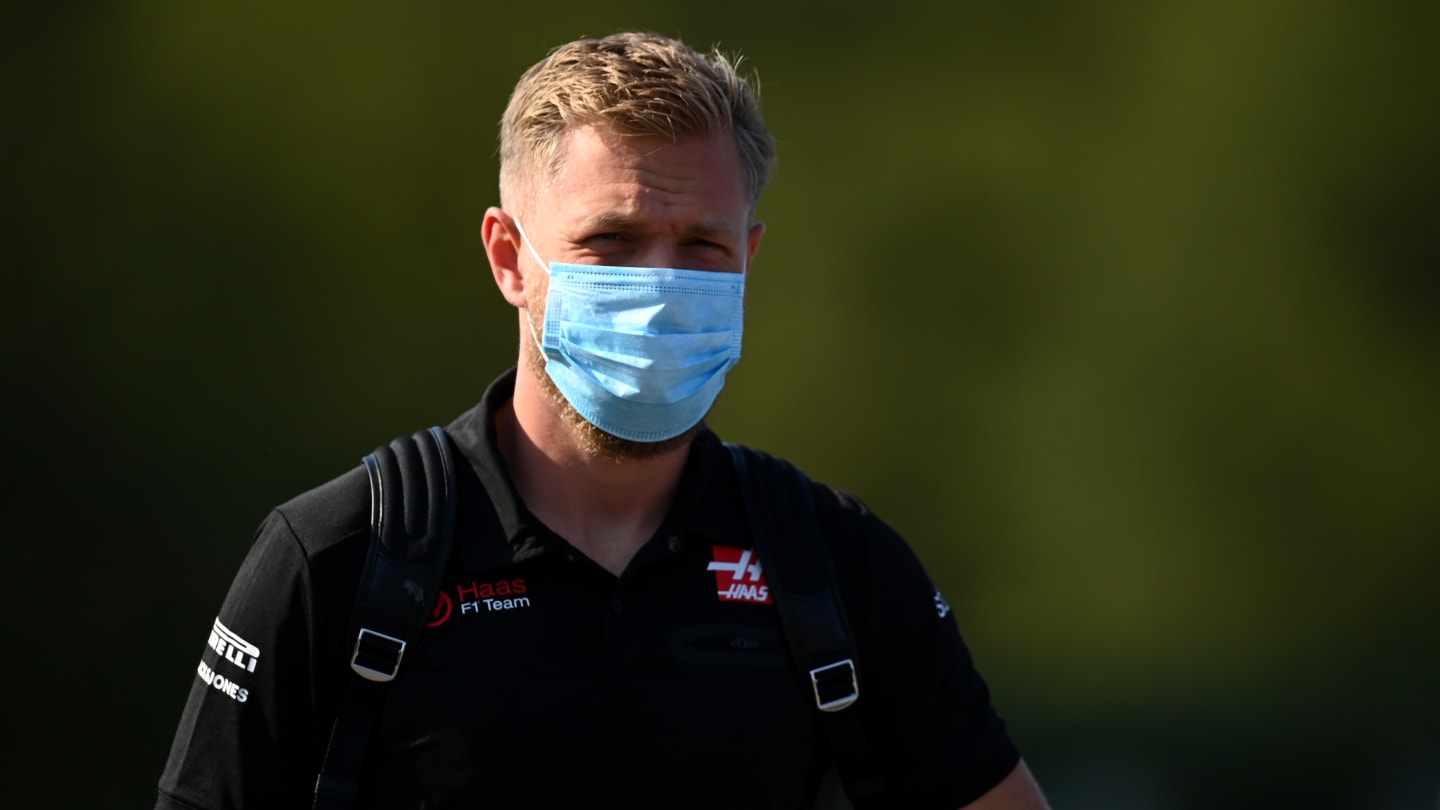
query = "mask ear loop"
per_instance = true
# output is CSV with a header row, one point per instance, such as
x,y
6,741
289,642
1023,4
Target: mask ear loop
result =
x,y
533,252
534,335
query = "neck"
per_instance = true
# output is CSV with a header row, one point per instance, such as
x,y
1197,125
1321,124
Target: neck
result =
x,y
607,508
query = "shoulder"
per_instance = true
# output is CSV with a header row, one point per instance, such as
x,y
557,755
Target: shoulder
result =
x,y
845,519
863,548
323,518
312,544
886,585
860,542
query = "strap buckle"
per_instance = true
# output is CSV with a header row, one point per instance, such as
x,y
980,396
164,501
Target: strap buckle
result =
x,y
836,685
377,656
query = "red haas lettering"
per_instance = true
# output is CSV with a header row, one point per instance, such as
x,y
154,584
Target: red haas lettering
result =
x,y
489,590
489,597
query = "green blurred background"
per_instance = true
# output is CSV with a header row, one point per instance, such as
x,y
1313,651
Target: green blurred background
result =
x,y
1125,314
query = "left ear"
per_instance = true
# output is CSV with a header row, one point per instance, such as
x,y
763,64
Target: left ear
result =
x,y
752,242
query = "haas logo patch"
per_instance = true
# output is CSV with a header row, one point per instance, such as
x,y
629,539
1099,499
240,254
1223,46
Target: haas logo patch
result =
x,y
738,577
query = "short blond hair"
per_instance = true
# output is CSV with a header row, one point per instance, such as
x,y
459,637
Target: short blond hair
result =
x,y
630,84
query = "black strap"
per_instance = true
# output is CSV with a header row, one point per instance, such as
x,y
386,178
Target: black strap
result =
x,y
412,526
780,509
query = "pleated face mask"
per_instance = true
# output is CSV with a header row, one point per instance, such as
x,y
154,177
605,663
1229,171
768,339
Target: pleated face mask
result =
x,y
639,352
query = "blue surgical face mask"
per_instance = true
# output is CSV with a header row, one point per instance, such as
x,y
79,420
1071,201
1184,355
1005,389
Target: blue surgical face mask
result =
x,y
639,352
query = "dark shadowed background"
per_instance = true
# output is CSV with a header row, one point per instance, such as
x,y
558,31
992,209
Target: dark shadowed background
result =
x,y
1125,314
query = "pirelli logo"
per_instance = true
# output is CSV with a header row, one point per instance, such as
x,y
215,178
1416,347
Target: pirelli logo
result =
x,y
233,648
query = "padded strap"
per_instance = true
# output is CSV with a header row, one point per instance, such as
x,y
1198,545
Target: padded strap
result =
x,y
780,509
412,527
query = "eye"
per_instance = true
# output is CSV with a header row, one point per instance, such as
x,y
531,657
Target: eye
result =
x,y
606,243
706,244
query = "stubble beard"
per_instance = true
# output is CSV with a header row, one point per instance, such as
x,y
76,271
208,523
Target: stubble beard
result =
x,y
592,439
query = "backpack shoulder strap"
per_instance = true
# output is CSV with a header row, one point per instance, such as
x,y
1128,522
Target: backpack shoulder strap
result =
x,y
412,526
780,509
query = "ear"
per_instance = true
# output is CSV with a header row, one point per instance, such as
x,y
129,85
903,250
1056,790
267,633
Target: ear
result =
x,y
502,247
752,243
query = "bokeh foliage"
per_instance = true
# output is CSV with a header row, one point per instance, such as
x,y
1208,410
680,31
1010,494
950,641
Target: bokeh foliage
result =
x,y
1123,313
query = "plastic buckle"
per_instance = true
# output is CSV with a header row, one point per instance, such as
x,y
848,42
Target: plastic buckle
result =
x,y
380,655
842,688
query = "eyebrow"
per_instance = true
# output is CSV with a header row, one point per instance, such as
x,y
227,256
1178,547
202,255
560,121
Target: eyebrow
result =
x,y
623,222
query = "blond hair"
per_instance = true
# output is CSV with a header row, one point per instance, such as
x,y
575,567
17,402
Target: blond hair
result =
x,y
630,84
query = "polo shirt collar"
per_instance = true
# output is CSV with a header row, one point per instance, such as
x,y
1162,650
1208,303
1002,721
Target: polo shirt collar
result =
x,y
706,509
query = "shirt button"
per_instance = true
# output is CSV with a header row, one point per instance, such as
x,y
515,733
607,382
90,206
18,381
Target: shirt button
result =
x,y
616,607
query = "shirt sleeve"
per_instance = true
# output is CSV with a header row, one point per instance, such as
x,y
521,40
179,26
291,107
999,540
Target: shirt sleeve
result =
x,y
246,737
938,739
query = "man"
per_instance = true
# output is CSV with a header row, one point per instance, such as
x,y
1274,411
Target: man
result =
x,y
604,637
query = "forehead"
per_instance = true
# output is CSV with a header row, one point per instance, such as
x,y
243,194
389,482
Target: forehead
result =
x,y
602,174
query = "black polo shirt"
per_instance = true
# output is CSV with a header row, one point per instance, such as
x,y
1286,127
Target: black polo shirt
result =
x,y
543,680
